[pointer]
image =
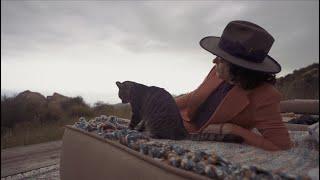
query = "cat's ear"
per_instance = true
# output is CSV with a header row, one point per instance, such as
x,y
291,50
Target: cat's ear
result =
x,y
119,84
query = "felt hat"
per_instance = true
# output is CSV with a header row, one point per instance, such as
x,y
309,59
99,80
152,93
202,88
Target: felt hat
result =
x,y
244,44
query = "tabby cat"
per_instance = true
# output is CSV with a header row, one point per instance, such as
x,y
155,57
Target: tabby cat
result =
x,y
155,112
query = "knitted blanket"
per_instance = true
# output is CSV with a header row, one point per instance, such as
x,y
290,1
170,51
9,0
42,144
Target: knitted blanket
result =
x,y
299,160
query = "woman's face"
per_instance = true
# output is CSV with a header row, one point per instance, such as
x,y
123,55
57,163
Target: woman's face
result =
x,y
222,68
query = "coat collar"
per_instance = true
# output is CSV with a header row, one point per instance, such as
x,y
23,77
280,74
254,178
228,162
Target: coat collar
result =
x,y
232,104
198,96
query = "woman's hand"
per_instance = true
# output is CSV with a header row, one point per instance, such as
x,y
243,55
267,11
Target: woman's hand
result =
x,y
227,128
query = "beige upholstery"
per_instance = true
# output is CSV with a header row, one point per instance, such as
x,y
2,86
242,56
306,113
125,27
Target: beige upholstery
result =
x,y
300,106
85,157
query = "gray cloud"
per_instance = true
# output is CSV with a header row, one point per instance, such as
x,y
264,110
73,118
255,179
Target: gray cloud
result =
x,y
77,31
147,26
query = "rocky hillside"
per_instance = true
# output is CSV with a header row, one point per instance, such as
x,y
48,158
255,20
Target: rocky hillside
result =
x,y
30,106
31,96
300,84
37,97
33,106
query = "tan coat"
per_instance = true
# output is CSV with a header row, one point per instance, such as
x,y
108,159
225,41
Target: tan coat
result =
x,y
258,108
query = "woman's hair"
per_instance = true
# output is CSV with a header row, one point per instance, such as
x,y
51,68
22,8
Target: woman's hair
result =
x,y
250,79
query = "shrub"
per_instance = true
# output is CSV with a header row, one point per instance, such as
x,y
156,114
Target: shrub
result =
x,y
80,110
15,110
72,102
76,107
100,108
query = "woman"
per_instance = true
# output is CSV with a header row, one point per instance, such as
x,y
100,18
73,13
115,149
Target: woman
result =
x,y
238,94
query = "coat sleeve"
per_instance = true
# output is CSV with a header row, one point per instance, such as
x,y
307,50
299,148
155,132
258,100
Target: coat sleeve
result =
x,y
268,121
182,101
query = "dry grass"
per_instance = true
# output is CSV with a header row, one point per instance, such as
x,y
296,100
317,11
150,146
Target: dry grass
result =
x,y
34,132
27,133
26,119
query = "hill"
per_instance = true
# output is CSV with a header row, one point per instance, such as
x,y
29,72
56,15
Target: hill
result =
x,y
300,84
30,106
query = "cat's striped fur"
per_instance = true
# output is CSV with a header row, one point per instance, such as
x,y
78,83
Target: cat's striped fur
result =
x,y
154,111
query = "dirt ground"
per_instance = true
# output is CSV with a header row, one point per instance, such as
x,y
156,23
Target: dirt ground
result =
x,y
19,160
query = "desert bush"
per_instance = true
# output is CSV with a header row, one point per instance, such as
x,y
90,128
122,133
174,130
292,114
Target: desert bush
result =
x,y
123,111
15,110
72,102
100,108
76,107
8,115
80,110
120,110
53,113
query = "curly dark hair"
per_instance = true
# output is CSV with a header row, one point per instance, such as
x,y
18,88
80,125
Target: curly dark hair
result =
x,y
250,79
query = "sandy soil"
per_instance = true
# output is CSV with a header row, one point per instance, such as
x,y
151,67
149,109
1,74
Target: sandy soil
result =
x,y
27,158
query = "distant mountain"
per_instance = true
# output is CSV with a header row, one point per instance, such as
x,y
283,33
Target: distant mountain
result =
x,y
300,84
31,96
33,106
56,97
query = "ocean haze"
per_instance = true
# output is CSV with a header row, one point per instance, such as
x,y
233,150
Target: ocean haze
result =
x,y
84,47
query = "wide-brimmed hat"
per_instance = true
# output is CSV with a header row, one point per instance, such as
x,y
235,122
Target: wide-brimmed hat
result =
x,y
244,44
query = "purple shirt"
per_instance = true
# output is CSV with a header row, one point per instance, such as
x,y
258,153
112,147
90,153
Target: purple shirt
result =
x,y
207,108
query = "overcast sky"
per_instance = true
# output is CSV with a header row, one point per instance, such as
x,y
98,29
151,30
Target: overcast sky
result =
x,y
84,47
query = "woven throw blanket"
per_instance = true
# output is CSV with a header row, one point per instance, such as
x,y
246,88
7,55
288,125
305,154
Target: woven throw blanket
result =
x,y
299,160
303,157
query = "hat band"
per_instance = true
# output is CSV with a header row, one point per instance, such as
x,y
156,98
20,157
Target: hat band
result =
x,y
238,50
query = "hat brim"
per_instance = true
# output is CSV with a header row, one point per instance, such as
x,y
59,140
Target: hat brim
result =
x,y
269,65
